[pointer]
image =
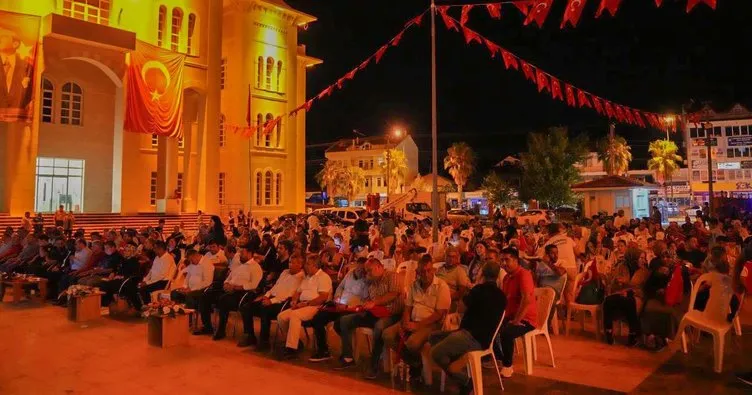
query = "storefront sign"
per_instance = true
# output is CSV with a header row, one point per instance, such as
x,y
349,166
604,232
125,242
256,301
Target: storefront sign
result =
x,y
746,164
701,142
729,165
736,141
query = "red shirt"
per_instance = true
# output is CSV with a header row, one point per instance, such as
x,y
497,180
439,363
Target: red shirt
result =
x,y
515,285
746,276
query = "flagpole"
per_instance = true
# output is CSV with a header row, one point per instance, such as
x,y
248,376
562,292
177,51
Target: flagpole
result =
x,y
434,138
250,146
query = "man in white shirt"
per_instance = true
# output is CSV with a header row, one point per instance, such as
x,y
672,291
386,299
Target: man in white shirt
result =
x,y
239,286
620,220
215,256
428,301
162,270
269,305
567,259
312,292
199,275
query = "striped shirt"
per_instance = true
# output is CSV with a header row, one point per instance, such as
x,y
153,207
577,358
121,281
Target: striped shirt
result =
x,y
386,284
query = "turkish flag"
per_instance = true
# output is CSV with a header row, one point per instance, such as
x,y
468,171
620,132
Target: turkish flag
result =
x,y
470,35
556,89
609,109
638,119
494,10
380,53
509,60
542,80
528,70
658,3
415,21
573,12
597,105
692,3
571,101
523,6
154,91
619,113
397,38
608,5
465,15
539,12
448,21
582,98
493,48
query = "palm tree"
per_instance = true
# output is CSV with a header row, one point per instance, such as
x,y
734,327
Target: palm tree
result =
x,y
615,154
460,163
397,167
330,177
665,161
353,181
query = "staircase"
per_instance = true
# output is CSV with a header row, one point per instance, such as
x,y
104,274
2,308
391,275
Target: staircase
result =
x,y
97,222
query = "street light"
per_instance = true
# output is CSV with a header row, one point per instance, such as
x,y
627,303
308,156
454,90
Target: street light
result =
x,y
708,126
397,133
669,121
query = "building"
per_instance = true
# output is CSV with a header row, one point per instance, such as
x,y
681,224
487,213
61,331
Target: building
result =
x,y
368,153
239,54
610,194
730,133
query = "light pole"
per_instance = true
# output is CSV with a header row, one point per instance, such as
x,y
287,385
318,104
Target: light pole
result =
x,y
708,126
434,134
669,121
397,133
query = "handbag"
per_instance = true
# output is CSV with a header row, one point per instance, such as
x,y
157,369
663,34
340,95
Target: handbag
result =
x,y
675,288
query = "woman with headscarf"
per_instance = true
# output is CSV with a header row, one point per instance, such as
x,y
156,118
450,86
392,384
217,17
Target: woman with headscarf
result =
x,y
626,294
217,231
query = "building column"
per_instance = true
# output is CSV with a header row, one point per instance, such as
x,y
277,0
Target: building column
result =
x,y
167,175
117,150
19,144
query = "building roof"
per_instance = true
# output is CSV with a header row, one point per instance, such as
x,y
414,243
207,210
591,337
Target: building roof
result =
x,y
302,17
359,142
708,113
613,182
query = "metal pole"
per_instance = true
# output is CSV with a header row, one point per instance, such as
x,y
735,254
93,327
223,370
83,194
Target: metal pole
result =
x,y
388,167
434,134
708,143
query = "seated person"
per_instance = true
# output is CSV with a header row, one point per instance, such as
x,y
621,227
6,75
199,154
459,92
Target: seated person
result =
x,y
107,264
29,250
521,314
313,291
454,276
428,301
128,271
237,288
549,271
199,275
157,279
350,292
215,255
485,305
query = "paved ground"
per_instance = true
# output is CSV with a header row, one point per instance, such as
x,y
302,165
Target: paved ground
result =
x,y
43,353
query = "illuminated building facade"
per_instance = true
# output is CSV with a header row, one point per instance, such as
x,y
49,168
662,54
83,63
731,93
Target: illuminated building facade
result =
x,y
242,56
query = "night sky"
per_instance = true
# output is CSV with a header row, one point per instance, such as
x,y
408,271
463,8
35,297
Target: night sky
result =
x,y
647,58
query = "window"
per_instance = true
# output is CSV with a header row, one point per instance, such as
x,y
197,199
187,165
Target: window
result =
x,y
367,181
717,131
278,137
378,181
259,71
179,187
222,73
360,163
736,130
745,132
279,74
278,190
258,188
259,128
221,130
48,94
695,174
95,11
221,189
268,188
177,21
191,29
153,189
728,131
161,25
269,69
70,104
268,136
370,164
154,141
693,133
181,142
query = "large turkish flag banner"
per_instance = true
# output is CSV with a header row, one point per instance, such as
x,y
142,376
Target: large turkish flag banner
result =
x,y
154,91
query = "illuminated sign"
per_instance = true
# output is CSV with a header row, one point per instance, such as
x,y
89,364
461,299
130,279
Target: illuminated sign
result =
x,y
729,165
701,142
736,141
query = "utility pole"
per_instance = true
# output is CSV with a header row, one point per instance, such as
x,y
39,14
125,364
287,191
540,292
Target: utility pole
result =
x,y
434,134
709,144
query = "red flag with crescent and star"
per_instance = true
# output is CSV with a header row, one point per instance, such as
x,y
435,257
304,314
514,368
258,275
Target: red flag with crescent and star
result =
x,y
573,13
154,91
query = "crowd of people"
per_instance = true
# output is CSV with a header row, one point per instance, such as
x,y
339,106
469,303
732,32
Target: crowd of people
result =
x,y
418,297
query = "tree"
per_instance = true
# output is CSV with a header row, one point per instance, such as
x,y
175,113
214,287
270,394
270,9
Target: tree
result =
x,y
331,178
615,154
394,162
665,161
497,191
354,179
460,163
549,166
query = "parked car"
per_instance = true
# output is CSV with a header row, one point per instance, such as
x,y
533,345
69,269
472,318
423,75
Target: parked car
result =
x,y
456,215
566,213
533,217
348,215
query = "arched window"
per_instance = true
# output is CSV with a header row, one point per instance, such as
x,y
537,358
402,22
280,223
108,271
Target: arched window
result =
x,y
278,137
259,128
279,75
222,73
260,72
268,188
48,94
95,11
161,25
269,69
177,22
191,29
70,104
278,190
268,136
258,188
222,136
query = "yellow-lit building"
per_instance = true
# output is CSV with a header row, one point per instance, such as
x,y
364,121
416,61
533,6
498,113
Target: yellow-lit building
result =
x,y
76,152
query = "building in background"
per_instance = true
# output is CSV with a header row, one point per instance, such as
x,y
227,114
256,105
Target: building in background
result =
x,y
368,153
730,133
242,61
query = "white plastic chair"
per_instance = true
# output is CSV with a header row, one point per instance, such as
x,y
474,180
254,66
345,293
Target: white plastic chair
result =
x,y
713,319
593,309
555,319
544,299
474,368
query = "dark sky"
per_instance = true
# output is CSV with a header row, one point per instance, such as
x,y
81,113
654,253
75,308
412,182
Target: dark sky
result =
x,y
646,58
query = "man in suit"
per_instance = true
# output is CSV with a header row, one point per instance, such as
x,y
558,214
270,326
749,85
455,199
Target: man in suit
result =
x,y
16,74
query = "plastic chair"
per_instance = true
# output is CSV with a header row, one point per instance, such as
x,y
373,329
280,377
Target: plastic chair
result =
x,y
544,299
713,319
557,305
737,320
593,309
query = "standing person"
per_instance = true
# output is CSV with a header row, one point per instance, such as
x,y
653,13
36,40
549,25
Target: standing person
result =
x,y
59,216
565,250
387,232
361,232
38,223
521,311
200,218
26,222
312,292
485,305
68,223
